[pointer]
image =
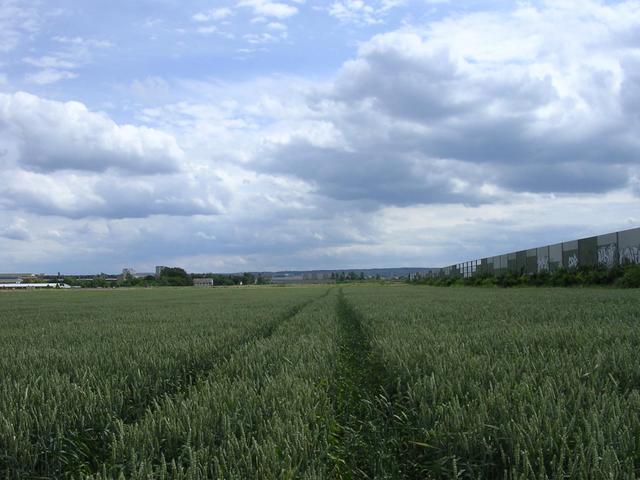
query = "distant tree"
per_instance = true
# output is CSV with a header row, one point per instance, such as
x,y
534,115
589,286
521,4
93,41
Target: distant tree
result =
x,y
175,277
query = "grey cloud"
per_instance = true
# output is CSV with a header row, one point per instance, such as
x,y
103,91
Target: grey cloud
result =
x,y
504,142
266,241
408,80
402,105
16,231
399,178
403,86
630,89
567,177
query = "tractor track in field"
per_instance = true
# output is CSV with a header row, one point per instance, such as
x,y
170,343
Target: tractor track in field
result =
x,y
361,443
89,451
373,434
195,376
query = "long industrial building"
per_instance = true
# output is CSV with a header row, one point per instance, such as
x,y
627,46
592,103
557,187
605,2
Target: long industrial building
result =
x,y
608,250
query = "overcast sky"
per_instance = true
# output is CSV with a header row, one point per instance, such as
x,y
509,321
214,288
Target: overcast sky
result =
x,y
299,134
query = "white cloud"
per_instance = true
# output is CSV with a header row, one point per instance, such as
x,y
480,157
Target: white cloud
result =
x,y
49,75
265,37
17,20
266,8
49,135
361,11
150,89
84,194
215,14
471,135
208,30
49,61
63,63
83,42
276,26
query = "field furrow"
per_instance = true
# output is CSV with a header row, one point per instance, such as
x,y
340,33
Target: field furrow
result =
x,y
84,401
362,446
263,410
510,384
107,442
361,382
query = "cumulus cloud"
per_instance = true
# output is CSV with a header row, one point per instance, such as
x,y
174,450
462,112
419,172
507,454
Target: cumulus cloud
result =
x,y
531,100
472,135
47,136
80,195
60,159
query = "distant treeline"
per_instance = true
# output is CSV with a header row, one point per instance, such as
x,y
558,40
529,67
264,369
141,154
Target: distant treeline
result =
x,y
169,277
348,277
621,276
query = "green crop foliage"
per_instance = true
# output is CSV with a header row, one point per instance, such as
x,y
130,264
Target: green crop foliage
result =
x,y
510,383
351,382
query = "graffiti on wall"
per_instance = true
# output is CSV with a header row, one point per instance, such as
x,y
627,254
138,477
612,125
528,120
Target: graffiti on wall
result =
x,y
607,255
543,264
630,255
567,254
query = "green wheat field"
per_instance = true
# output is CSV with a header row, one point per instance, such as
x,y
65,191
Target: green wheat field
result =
x,y
320,382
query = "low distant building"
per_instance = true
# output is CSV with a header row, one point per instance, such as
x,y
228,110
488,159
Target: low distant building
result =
x,y
130,273
203,282
19,277
30,286
143,274
10,280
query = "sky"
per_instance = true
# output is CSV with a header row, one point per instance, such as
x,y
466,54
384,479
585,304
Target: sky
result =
x,y
258,135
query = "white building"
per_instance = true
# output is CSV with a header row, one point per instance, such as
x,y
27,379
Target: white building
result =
x,y
31,286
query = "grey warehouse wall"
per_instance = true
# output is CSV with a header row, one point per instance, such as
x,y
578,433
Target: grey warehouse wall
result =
x,y
608,250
